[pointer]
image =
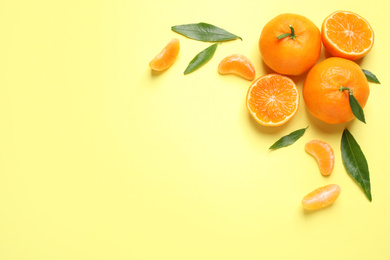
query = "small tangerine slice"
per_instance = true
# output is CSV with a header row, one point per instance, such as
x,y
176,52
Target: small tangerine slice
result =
x,y
166,57
321,197
324,155
347,35
272,99
237,64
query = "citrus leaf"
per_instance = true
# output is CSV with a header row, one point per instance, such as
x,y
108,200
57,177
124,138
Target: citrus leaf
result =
x,y
284,35
288,139
204,32
201,58
357,110
370,76
355,162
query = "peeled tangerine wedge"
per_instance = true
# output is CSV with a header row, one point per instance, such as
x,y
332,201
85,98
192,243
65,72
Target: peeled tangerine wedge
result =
x,y
237,64
324,155
166,57
321,197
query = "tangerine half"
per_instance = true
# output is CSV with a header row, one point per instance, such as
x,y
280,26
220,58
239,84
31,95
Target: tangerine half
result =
x,y
347,35
272,99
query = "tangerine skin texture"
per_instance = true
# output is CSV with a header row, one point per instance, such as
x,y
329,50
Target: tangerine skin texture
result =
x,y
321,89
290,56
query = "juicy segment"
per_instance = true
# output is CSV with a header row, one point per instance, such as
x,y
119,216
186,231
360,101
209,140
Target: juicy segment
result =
x,y
321,197
237,64
324,155
273,99
166,57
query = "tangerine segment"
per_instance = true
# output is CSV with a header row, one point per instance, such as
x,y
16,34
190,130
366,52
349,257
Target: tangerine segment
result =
x,y
273,99
321,197
324,155
166,57
237,64
347,35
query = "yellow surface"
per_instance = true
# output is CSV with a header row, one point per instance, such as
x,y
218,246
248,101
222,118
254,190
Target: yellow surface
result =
x,y
102,159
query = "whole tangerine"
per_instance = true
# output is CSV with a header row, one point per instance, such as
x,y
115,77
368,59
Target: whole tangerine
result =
x,y
322,91
290,44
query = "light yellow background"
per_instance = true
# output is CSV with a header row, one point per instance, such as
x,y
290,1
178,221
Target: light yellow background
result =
x,y
102,159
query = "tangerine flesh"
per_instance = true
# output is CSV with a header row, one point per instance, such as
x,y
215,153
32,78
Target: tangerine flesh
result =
x,y
347,35
166,57
324,155
321,197
272,99
237,64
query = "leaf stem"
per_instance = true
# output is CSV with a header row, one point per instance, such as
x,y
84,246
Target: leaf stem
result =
x,y
346,88
291,35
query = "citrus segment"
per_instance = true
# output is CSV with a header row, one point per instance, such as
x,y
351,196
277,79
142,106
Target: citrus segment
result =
x,y
292,55
324,155
237,64
166,57
321,197
272,99
347,35
321,90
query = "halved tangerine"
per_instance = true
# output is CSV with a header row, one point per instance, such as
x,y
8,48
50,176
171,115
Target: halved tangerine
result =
x,y
347,35
237,64
321,197
324,155
166,57
272,99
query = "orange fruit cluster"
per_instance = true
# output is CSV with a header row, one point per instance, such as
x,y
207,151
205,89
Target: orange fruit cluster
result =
x,y
290,45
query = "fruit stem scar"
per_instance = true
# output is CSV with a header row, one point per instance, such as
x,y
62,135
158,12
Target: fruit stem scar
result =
x,y
346,88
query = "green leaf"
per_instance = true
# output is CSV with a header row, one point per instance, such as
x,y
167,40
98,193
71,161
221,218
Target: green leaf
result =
x,y
370,76
204,32
355,162
357,110
284,35
201,58
288,139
